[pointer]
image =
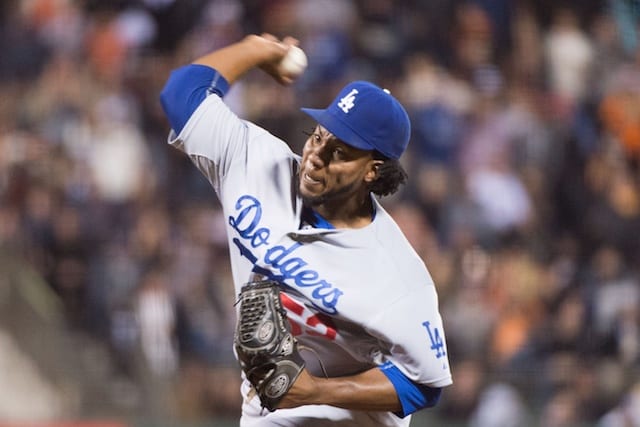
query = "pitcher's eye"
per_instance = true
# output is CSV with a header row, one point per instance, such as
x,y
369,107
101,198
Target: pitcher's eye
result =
x,y
338,153
315,137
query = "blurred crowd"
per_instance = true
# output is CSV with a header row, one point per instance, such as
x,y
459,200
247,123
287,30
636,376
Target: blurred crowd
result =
x,y
523,197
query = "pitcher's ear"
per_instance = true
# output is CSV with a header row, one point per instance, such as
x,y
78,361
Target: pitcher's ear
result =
x,y
372,174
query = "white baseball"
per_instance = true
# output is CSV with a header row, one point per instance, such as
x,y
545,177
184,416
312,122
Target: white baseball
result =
x,y
293,63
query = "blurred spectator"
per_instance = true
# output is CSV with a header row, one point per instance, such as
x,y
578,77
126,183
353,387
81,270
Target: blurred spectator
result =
x,y
474,43
438,102
463,397
614,299
69,261
500,405
627,15
155,312
119,156
613,214
469,316
626,413
562,409
569,56
503,200
619,109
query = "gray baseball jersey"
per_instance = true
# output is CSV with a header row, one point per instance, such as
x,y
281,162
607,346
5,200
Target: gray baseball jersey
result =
x,y
359,298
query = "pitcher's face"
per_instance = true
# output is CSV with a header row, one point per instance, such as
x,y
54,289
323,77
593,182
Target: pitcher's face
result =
x,y
332,170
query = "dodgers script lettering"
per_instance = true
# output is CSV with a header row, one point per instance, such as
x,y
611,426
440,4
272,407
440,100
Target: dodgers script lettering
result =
x,y
280,262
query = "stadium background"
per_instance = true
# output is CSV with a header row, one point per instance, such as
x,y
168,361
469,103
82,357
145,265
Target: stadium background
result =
x,y
524,200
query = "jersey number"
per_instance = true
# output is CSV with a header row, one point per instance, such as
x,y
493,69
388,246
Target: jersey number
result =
x,y
316,324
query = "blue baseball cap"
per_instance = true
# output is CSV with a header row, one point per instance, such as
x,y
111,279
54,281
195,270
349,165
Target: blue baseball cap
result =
x,y
367,117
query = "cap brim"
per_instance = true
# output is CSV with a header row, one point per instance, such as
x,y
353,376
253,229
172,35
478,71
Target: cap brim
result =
x,y
338,128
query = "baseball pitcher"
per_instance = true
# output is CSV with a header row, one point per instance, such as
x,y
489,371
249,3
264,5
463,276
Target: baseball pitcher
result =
x,y
337,315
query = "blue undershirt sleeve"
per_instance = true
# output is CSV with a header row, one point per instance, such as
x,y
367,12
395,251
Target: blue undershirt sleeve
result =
x,y
185,90
413,397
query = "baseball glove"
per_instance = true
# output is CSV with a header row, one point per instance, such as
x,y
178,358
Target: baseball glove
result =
x,y
266,349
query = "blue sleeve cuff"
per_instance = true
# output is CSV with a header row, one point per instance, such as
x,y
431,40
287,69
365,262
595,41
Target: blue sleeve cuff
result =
x,y
412,396
185,90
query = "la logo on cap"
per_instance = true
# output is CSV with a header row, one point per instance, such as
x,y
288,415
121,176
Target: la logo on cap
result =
x,y
379,122
348,101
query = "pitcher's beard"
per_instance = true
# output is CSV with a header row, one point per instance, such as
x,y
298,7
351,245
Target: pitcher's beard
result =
x,y
333,197
311,200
